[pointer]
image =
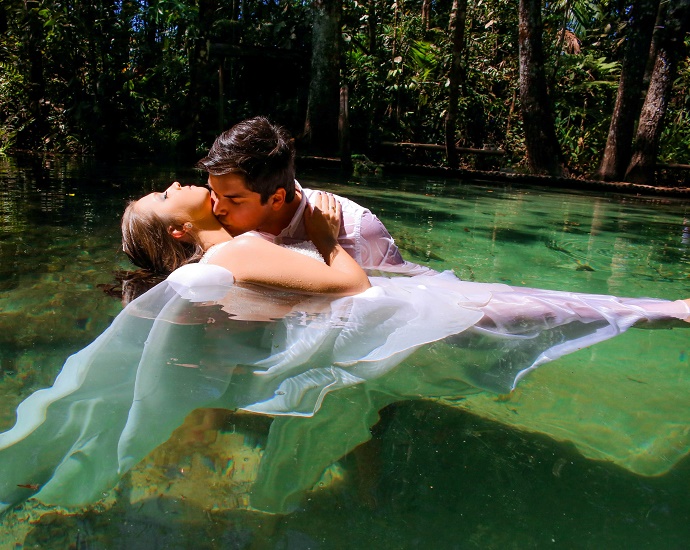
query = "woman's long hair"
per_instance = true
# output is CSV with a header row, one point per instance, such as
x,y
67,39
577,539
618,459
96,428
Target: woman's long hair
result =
x,y
129,285
147,243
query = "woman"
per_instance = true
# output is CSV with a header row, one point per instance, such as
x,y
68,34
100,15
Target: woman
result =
x,y
163,231
200,340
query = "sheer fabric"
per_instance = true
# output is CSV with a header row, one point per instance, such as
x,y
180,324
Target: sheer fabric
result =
x,y
198,340
362,236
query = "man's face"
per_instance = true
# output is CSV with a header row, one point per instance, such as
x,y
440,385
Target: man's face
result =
x,y
238,208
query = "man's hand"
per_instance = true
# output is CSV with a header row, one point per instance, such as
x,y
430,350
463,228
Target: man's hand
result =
x,y
322,219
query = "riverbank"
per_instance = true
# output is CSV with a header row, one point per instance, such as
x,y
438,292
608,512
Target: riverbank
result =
x,y
547,181
515,178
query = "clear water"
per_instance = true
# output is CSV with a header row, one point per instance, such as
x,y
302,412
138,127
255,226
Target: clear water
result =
x,y
589,452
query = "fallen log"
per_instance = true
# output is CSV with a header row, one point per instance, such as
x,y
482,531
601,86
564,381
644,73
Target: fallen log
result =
x,y
673,166
436,147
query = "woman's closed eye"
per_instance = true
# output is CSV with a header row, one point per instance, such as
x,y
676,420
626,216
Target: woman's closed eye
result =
x,y
165,195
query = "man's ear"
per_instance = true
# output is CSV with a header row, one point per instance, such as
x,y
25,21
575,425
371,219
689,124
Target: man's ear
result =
x,y
277,199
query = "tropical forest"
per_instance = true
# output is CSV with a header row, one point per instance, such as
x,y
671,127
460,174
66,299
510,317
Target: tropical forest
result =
x,y
589,89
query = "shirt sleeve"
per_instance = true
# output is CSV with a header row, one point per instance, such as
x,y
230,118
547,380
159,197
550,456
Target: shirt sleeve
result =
x,y
379,251
366,239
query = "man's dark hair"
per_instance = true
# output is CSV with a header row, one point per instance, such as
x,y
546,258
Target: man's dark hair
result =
x,y
262,152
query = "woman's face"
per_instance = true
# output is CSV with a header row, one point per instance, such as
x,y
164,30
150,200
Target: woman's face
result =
x,y
177,203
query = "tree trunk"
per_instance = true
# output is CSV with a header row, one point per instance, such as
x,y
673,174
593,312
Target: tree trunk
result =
x,y
618,148
199,75
543,150
344,131
458,17
37,129
426,13
654,47
671,49
372,27
151,49
112,58
4,21
321,125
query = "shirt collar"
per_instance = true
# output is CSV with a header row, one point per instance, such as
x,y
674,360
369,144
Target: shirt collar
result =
x,y
296,221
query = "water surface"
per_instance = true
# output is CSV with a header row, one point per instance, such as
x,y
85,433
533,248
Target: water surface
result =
x,y
588,452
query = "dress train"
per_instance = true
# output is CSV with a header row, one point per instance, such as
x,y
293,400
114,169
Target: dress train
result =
x,y
198,340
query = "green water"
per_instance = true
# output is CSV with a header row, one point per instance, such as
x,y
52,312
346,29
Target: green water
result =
x,y
589,452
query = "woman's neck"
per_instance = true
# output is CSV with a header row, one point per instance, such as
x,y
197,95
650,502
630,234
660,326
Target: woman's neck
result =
x,y
211,234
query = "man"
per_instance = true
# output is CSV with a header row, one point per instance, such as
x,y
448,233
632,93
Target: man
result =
x,y
251,171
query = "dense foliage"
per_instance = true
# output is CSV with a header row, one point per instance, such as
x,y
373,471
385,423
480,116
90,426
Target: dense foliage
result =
x,y
120,75
165,76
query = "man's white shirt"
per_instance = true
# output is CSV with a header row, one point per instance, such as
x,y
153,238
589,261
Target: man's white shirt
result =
x,y
362,235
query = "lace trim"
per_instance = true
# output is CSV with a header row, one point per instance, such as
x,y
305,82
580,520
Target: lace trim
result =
x,y
306,248
211,251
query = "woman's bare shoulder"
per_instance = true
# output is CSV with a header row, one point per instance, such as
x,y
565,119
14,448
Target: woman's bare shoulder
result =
x,y
246,248
250,242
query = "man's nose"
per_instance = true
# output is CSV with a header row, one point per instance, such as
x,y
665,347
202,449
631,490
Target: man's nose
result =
x,y
218,208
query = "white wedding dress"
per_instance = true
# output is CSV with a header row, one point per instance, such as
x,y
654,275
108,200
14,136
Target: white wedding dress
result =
x,y
198,340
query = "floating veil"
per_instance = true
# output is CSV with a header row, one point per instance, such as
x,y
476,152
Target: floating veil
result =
x,y
197,340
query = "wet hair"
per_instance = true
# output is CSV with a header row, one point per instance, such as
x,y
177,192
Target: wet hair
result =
x,y
129,285
147,243
262,152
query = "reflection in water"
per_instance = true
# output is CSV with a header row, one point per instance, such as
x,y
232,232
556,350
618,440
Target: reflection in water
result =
x,y
431,473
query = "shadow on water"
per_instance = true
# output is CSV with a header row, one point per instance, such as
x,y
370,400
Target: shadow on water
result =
x,y
515,236
430,475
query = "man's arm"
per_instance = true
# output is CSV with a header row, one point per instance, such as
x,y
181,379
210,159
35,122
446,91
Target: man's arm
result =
x,y
368,241
379,251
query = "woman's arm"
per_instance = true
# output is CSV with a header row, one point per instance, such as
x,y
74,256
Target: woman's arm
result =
x,y
254,260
